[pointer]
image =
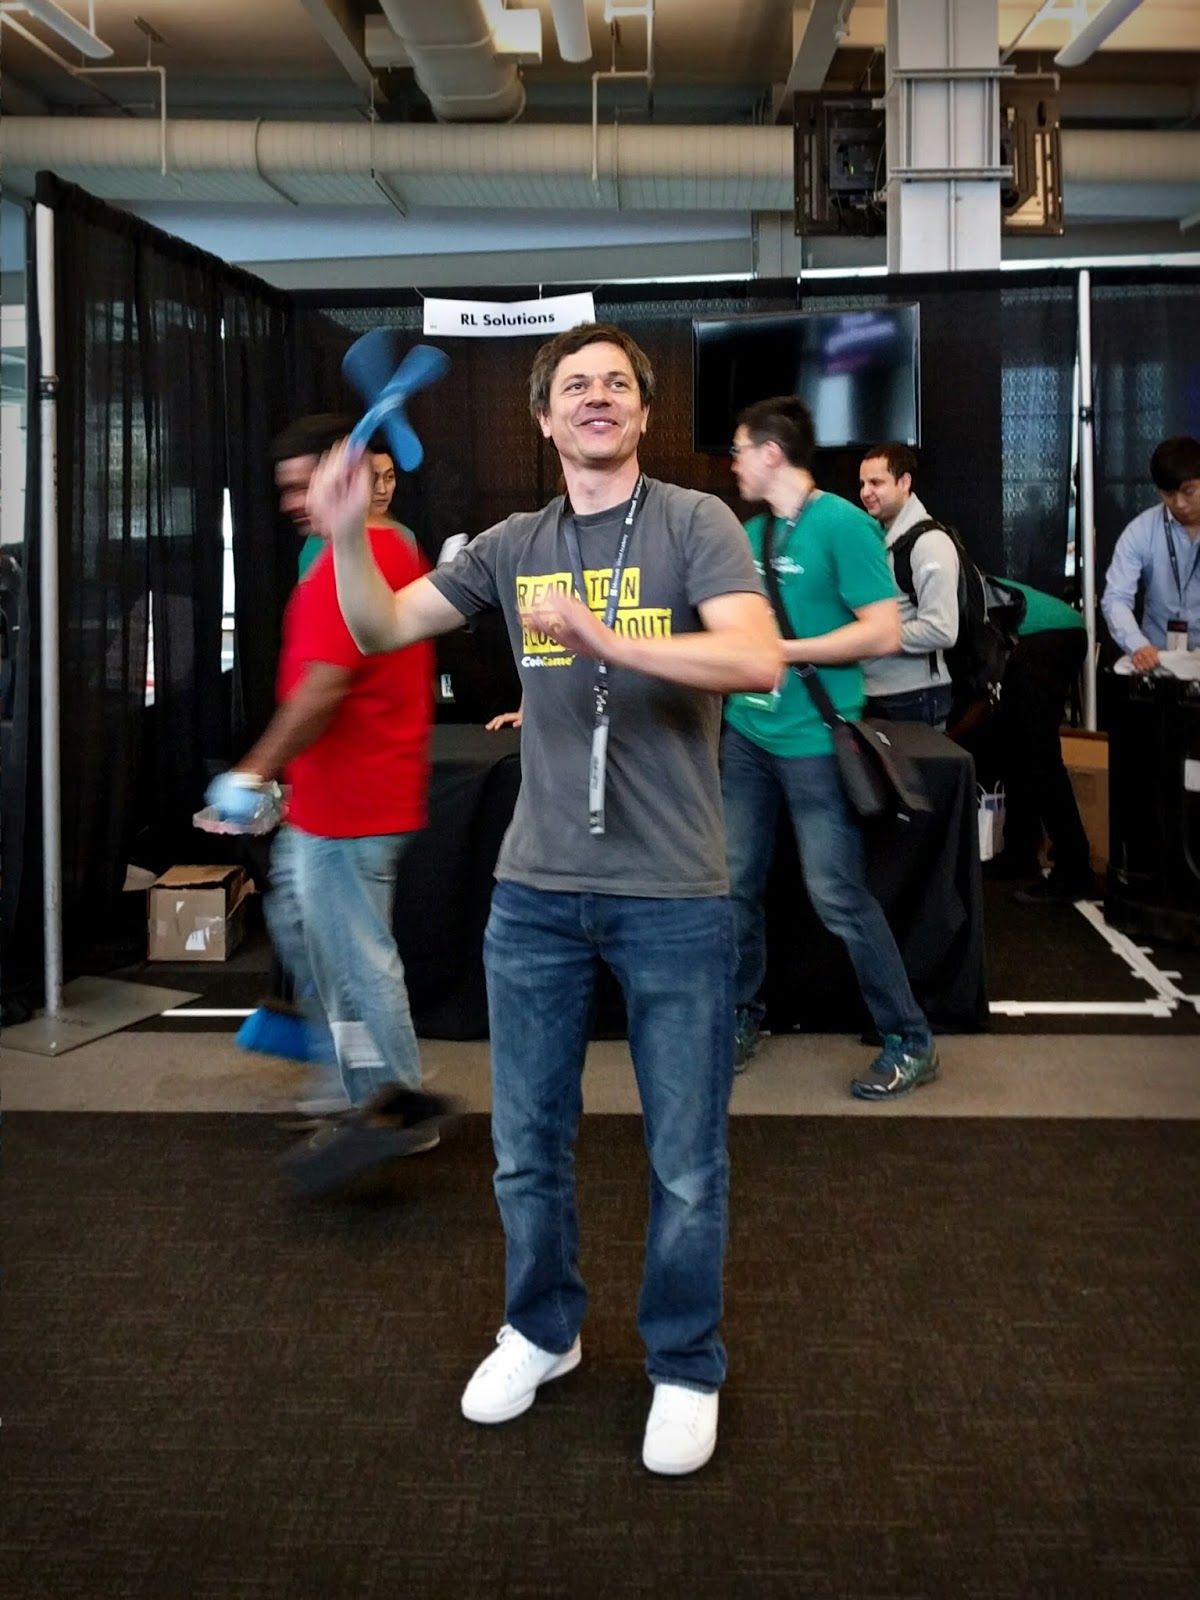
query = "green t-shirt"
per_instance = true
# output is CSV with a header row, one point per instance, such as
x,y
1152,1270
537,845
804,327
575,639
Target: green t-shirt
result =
x,y
310,550
1044,612
832,563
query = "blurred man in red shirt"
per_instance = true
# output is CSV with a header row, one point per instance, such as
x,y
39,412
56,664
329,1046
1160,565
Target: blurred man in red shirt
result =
x,y
350,735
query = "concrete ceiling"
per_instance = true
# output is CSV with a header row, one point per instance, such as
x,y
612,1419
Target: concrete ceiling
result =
x,y
718,64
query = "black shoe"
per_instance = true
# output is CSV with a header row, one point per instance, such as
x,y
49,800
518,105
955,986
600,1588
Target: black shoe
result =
x,y
1054,891
1009,869
394,1123
409,1111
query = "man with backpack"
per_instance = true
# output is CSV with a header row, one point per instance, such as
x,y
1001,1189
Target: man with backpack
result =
x,y
914,684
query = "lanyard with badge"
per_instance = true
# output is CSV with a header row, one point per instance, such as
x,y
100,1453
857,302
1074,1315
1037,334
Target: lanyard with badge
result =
x,y
598,765
770,702
1177,627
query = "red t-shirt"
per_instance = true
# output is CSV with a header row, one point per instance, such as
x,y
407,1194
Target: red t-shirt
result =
x,y
369,771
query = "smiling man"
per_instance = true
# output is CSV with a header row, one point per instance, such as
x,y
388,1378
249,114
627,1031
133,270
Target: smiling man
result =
x,y
632,606
913,684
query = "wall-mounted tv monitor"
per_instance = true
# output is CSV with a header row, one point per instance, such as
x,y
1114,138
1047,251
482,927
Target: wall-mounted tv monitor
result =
x,y
858,371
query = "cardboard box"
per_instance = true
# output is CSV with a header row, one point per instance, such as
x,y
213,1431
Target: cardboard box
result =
x,y
1086,758
197,913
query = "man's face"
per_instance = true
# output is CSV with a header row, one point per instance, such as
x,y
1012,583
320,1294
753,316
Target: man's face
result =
x,y
881,493
751,466
383,482
1184,503
291,479
595,417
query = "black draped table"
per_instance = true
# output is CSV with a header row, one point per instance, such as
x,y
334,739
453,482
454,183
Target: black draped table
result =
x,y
926,874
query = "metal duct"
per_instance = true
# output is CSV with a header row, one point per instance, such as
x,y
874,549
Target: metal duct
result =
x,y
644,168
571,29
1112,155
453,55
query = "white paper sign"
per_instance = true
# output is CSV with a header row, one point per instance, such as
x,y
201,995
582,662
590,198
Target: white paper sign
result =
x,y
500,319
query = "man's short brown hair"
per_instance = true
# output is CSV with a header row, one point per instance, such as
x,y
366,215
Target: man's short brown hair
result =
x,y
545,363
899,457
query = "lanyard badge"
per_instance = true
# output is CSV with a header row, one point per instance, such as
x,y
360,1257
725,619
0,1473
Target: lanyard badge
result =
x,y
598,761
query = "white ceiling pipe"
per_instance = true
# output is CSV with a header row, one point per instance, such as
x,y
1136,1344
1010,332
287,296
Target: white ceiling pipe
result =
x,y
674,168
454,57
1118,155
571,29
1084,44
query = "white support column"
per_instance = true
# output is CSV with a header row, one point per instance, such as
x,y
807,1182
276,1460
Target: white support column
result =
x,y
943,135
49,615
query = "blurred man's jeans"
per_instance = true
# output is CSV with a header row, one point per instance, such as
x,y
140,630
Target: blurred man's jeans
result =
x,y
329,911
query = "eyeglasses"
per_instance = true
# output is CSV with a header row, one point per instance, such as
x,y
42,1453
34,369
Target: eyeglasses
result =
x,y
736,450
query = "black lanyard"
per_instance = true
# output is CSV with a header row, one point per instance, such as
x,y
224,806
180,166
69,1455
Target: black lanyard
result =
x,y
598,765
768,556
1181,589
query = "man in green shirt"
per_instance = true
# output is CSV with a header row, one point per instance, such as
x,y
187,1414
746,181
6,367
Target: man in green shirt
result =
x,y
1051,646
841,602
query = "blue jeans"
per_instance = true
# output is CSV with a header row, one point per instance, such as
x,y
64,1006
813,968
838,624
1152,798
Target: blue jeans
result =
x,y
329,910
674,962
931,704
754,785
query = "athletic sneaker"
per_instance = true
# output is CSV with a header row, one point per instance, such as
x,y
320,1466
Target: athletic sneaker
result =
x,y
747,1036
681,1430
901,1065
504,1383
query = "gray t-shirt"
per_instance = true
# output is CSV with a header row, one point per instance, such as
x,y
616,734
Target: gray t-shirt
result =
x,y
665,835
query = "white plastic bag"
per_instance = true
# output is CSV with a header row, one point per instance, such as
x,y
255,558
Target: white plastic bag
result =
x,y
991,822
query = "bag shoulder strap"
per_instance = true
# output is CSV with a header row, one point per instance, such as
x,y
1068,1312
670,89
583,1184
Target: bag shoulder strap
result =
x,y
901,553
807,673
771,579
808,676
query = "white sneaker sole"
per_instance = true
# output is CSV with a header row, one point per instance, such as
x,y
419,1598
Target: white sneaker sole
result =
x,y
676,1467
565,1363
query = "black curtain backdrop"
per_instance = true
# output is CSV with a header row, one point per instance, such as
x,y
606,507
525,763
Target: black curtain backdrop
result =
x,y
280,363
1146,359
20,729
997,365
1038,331
257,334
176,370
152,423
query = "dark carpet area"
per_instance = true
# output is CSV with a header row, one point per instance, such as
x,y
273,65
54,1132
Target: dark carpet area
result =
x,y
962,1364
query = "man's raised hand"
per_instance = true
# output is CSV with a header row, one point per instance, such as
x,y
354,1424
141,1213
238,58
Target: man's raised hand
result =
x,y
339,493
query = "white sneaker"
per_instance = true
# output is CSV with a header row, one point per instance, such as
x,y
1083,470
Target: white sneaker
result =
x,y
505,1383
681,1430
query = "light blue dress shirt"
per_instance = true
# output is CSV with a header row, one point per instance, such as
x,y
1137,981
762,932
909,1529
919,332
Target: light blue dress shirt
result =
x,y
1142,556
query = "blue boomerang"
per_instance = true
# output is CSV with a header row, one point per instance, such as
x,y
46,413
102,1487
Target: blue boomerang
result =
x,y
370,367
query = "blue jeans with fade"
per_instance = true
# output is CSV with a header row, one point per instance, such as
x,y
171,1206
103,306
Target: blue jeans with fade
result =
x,y
329,911
674,962
755,784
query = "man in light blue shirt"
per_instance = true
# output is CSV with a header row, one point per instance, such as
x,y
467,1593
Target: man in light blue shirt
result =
x,y
1160,549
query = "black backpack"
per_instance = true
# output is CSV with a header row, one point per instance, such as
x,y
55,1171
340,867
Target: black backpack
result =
x,y
989,614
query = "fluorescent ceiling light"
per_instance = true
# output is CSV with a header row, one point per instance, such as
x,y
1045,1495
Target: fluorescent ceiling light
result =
x,y
64,25
1093,34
